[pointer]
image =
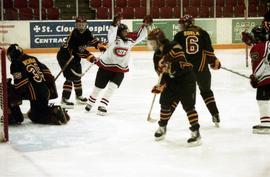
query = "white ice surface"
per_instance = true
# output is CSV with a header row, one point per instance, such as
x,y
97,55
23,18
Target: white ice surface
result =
x,y
121,144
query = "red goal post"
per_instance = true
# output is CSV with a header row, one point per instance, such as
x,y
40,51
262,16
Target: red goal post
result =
x,y
3,98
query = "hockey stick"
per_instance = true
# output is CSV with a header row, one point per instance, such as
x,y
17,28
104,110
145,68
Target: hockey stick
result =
x,y
82,74
246,27
63,69
222,67
149,119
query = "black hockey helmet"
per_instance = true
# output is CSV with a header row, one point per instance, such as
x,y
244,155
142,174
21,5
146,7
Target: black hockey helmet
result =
x,y
81,23
186,21
259,33
120,30
14,51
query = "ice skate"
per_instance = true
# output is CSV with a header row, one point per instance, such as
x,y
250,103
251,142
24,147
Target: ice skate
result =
x,y
81,100
261,129
88,107
67,104
216,120
160,133
195,139
102,111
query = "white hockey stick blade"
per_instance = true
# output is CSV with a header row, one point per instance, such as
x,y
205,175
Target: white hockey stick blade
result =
x,y
149,119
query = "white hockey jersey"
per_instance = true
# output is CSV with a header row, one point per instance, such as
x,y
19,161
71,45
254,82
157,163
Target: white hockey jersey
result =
x,y
116,57
259,55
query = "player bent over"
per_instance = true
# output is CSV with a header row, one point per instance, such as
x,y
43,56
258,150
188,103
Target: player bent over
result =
x,y
260,77
178,83
114,62
33,81
75,46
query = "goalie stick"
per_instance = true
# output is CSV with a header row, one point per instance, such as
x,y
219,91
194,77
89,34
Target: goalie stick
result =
x,y
149,119
222,67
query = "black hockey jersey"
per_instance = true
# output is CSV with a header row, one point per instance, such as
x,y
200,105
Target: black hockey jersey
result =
x,y
179,68
197,46
77,42
29,78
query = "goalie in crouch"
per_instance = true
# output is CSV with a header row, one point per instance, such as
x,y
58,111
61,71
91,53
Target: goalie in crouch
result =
x,y
33,81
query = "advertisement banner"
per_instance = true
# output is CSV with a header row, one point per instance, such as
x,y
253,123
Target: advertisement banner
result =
x,y
170,28
240,25
53,34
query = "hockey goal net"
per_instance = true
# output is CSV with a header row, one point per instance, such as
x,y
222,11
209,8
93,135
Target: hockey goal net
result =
x,y
3,98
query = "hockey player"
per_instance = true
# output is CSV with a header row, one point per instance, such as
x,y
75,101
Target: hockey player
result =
x,y
178,83
260,77
114,62
199,51
33,81
75,46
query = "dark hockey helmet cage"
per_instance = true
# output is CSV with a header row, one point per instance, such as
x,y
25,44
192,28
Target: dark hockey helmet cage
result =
x,y
156,34
186,20
259,33
81,23
120,30
14,51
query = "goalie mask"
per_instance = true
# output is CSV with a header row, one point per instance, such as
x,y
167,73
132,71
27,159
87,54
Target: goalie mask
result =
x,y
14,51
185,22
156,38
81,23
259,34
122,32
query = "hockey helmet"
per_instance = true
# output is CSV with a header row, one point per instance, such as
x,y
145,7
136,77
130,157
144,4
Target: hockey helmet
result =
x,y
14,51
81,23
120,30
259,33
156,34
186,21
156,38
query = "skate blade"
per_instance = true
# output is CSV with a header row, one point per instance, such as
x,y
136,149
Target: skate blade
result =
x,y
216,124
67,106
160,138
195,143
101,113
261,131
81,102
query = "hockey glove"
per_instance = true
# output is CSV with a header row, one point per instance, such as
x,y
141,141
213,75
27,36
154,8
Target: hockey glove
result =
x,y
91,58
215,65
247,38
162,65
101,47
117,19
253,81
158,89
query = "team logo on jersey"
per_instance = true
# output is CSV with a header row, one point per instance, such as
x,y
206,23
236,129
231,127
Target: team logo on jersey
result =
x,y
254,56
120,52
17,75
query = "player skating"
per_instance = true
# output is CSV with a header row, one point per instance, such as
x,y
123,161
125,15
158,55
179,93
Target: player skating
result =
x,y
114,62
199,51
260,78
178,83
72,51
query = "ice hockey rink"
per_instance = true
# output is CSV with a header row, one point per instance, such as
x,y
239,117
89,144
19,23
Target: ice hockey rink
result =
x,y
121,144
